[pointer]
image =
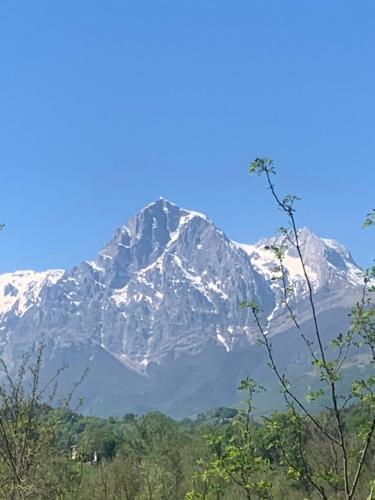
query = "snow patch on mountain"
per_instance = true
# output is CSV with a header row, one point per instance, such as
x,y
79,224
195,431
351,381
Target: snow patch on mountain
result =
x,y
20,290
324,260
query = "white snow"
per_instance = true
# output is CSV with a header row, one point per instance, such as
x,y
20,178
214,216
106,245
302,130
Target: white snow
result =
x,y
249,249
165,208
195,280
24,288
214,287
198,214
295,270
221,339
141,279
265,262
120,296
183,221
337,247
94,265
353,273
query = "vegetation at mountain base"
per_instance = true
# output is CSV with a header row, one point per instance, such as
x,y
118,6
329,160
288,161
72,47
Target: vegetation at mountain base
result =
x,y
49,451
222,454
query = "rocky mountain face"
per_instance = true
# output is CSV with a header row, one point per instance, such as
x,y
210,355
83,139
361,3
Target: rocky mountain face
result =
x,y
334,276
162,295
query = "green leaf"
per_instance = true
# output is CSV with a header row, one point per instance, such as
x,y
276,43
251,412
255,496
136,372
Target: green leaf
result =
x,y
314,395
370,219
261,165
252,305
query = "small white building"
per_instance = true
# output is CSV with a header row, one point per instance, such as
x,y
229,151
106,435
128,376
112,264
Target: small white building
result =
x,y
74,452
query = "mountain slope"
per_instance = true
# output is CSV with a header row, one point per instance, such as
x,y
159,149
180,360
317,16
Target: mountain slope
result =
x,y
160,303
334,276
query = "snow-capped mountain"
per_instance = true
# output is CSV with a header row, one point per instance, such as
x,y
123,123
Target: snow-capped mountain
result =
x,y
334,276
325,259
21,290
167,287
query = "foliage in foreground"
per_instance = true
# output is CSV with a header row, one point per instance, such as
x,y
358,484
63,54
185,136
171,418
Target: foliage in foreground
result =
x,y
222,454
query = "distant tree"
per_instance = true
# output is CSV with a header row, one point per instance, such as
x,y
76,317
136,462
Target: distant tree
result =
x,y
98,437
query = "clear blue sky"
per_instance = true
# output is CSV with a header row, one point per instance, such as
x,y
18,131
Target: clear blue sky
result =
x,y
105,106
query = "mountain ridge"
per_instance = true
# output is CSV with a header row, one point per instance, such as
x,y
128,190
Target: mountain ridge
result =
x,y
160,302
166,253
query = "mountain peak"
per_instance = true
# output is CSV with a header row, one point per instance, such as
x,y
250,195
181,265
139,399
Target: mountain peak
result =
x,y
304,230
167,207
305,233
159,203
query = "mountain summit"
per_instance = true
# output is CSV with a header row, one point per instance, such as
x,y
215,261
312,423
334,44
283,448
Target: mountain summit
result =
x,y
166,287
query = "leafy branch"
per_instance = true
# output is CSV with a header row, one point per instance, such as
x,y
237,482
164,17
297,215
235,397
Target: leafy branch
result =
x,y
361,334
